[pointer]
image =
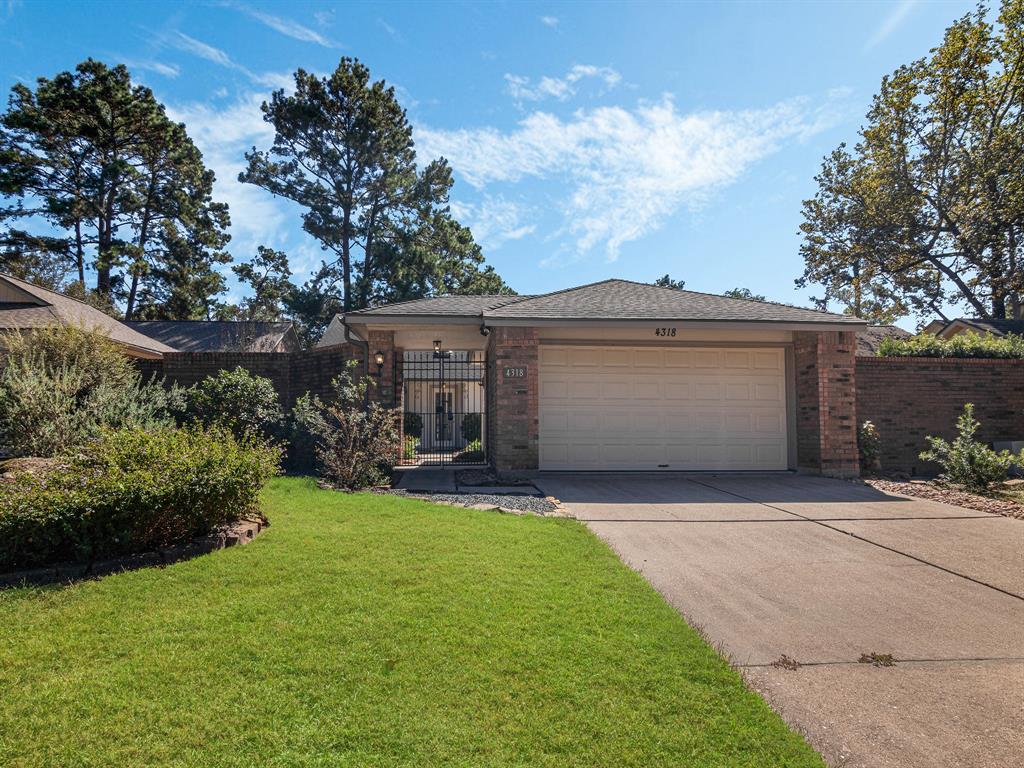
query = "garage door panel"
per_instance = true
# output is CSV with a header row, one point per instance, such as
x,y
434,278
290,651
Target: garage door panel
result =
x,y
671,408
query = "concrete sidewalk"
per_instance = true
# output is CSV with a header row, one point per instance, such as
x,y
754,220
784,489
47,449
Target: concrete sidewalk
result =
x,y
823,571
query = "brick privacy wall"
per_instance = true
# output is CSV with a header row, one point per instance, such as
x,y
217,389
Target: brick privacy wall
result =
x,y
908,398
512,404
826,402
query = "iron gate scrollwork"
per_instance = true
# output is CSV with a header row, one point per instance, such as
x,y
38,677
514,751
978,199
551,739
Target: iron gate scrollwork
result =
x,y
444,418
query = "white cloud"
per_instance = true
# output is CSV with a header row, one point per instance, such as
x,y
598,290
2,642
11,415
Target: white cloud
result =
x,y
167,70
286,27
893,20
549,21
624,171
206,51
561,88
494,221
223,135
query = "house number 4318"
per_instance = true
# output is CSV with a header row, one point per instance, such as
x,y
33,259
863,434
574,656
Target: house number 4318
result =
x,y
664,331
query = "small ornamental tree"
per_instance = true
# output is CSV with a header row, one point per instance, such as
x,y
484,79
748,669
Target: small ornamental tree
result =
x,y
968,462
356,441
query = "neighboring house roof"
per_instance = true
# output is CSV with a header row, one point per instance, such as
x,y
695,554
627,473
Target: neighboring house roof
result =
x,y
871,338
220,335
977,324
607,300
24,306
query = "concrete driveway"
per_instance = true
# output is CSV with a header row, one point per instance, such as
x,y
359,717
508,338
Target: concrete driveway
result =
x,y
823,571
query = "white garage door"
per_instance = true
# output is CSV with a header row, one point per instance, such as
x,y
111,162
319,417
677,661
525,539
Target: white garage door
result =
x,y
662,408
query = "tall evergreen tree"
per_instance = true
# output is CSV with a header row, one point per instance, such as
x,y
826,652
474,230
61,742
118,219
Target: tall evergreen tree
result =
x,y
343,150
123,188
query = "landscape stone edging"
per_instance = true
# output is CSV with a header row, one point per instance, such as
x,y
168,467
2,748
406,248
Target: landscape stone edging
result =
x,y
239,533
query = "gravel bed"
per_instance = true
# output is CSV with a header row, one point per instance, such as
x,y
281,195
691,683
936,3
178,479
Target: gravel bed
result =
x,y
951,496
520,502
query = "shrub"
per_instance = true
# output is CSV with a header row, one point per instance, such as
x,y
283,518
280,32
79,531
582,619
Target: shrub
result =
x,y
966,461
471,427
869,444
412,424
409,446
963,345
244,403
62,386
131,491
472,453
356,443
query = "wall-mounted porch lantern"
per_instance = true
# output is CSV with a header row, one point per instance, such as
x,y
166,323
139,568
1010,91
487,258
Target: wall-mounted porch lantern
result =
x,y
378,358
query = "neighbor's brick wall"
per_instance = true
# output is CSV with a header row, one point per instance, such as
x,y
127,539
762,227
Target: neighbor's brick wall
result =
x,y
826,403
512,415
908,398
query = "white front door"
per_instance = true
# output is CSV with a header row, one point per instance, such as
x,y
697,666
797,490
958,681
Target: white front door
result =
x,y
671,408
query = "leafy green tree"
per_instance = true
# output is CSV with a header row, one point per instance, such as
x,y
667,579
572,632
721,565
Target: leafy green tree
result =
x,y
665,281
343,150
267,276
927,209
744,293
121,188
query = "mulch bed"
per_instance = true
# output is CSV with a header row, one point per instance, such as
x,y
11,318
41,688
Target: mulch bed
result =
x,y
948,495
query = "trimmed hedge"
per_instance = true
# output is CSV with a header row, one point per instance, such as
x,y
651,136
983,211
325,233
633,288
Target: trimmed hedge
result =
x,y
971,344
131,491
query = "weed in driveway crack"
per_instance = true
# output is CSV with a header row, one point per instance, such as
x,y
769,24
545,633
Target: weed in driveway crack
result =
x,y
878,659
785,662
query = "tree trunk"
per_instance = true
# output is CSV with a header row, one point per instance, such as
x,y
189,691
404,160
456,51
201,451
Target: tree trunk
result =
x,y
346,258
79,251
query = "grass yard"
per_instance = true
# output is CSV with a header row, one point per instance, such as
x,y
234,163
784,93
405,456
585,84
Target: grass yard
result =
x,y
365,630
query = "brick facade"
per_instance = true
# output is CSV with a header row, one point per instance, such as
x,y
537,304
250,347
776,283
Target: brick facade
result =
x,y
910,398
826,403
512,403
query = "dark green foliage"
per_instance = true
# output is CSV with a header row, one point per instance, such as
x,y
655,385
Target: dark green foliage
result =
x,y
744,293
968,462
412,424
356,443
271,290
665,281
470,427
131,491
968,344
927,209
238,400
343,151
120,188
61,386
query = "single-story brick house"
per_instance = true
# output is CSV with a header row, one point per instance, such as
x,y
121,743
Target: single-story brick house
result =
x,y
947,329
25,306
221,335
614,376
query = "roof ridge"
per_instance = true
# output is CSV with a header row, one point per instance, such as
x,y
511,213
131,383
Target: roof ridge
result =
x,y
566,290
513,296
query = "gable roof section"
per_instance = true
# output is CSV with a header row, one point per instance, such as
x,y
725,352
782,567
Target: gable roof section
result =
x,y
870,339
997,327
43,307
609,300
215,335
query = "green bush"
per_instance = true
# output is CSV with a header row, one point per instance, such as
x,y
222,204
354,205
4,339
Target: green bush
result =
x,y
244,403
472,453
409,446
968,344
869,444
356,443
966,461
412,424
471,427
131,491
62,386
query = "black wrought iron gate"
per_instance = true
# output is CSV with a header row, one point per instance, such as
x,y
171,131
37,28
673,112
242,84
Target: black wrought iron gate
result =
x,y
444,397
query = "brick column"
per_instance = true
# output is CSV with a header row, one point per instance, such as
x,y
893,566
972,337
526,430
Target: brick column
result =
x,y
386,393
826,402
511,401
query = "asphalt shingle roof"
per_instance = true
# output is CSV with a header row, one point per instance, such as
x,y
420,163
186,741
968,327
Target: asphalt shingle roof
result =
x,y
49,308
871,338
214,335
995,327
611,300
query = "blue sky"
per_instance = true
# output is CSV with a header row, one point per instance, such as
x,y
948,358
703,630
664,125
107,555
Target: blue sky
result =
x,y
588,140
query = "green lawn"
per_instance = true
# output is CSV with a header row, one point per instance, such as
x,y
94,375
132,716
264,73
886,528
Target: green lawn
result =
x,y
363,630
